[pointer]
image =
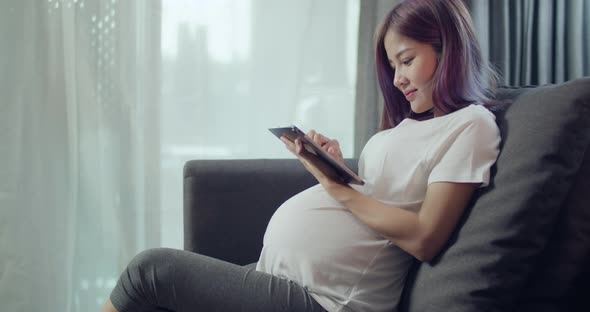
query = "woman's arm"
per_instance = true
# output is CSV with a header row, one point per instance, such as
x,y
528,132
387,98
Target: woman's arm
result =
x,y
423,234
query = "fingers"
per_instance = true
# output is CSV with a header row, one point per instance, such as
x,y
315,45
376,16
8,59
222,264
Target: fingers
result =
x,y
330,146
317,138
294,147
322,140
333,147
290,145
333,143
298,146
310,160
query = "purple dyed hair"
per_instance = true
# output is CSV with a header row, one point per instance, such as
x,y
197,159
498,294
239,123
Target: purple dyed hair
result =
x,y
462,77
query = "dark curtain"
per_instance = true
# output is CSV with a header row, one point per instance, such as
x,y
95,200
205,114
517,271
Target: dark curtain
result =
x,y
369,101
534,42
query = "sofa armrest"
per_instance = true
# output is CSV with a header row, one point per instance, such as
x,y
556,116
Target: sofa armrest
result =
x,y
228,203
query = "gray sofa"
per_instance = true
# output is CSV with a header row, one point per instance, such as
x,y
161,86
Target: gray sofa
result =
x,y
522,245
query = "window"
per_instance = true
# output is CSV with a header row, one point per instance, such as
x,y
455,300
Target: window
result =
x,y
232,69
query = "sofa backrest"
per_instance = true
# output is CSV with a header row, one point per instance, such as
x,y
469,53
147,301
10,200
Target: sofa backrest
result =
x,y
524,241
229,202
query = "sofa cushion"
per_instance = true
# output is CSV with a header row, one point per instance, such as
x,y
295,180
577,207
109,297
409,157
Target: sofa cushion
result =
x,y
560,277
489,258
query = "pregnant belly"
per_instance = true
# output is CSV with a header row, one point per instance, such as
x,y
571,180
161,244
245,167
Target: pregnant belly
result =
x,y
312,232
313,219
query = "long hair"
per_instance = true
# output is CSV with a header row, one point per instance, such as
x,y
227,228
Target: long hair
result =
x,y
461,78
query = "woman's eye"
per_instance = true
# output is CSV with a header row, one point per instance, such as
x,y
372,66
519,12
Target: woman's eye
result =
x,y
407,62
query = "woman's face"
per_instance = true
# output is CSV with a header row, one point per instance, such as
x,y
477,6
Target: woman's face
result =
x,y
414,64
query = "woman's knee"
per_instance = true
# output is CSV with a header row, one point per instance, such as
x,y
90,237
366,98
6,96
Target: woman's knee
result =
x,y
142,278
150,261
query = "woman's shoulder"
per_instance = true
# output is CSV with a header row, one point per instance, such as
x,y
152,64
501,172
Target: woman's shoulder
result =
x,y
477,120
473,120
475,114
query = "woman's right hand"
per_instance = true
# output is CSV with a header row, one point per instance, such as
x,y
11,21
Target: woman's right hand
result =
x,y
332,147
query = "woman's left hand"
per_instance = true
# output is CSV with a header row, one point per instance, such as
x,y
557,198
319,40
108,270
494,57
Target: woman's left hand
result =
x,y
323,172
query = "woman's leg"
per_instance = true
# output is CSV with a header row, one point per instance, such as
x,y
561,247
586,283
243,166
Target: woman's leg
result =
x,y
164,279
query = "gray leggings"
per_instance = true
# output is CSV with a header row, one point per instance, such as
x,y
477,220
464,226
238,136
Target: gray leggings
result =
x,y
164,279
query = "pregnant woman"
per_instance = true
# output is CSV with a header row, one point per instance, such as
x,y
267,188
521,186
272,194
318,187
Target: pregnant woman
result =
x,y
339,247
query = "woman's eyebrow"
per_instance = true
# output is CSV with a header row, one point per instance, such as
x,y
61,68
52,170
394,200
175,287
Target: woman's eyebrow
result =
x,y
399,54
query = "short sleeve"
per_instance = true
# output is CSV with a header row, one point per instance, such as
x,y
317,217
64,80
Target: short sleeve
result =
x,y
467,152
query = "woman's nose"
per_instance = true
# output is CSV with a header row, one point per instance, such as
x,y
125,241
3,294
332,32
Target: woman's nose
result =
x,y
399,81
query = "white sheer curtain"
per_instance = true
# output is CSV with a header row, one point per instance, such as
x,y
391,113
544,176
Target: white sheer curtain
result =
x,y
102,102
79,109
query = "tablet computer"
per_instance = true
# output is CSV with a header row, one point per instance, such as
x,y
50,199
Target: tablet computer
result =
x,y
292,133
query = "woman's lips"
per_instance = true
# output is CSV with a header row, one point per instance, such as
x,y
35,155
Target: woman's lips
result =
x,y
410,95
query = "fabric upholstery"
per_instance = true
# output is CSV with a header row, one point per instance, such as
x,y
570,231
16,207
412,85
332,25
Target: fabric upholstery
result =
x,y
501,238
562,268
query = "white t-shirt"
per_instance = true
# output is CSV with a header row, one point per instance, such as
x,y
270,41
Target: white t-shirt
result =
x,y
346,266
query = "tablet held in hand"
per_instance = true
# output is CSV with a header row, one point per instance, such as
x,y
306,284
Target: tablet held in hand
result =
x,y
292,133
